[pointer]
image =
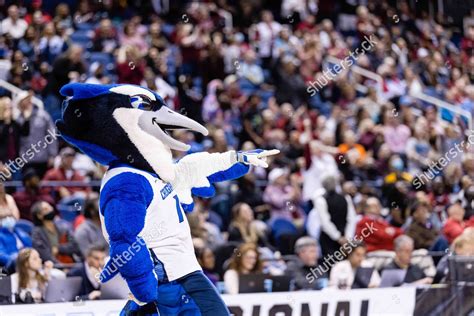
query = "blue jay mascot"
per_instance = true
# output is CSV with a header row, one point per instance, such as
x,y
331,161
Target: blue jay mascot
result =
x,y
144,193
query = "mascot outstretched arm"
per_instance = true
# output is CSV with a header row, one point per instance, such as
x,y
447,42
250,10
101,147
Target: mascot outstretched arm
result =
x,y
144,193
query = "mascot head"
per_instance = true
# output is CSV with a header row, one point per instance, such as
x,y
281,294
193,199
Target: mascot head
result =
x,y
123,124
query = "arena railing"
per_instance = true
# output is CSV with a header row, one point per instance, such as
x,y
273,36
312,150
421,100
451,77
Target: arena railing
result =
x,y
15,90
440,104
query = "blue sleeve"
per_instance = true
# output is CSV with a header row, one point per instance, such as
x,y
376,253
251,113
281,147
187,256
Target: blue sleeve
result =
x,y
236,171
124,201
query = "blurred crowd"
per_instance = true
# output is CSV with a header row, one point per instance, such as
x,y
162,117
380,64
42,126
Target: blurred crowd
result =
x,y
369,178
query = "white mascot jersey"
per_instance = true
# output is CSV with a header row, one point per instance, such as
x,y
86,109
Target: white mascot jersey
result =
x,y
166,231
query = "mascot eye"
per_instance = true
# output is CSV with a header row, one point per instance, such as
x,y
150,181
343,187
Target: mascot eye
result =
x,y
144,103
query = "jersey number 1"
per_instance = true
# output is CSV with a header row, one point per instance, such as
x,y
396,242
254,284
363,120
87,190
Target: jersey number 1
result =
x,y
178,209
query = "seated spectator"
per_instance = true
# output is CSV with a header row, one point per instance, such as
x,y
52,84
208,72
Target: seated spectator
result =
x,y
89,232
421,229
245,260
463,245
302,270
208,232
336,215
89,271
30,280
7,204
206,259
243,227
65,172
381,234
12,239
350,273
51,242
282,196
31,194
454,225
404,246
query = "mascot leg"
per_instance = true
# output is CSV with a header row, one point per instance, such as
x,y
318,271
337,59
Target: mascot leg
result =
x,y
203,296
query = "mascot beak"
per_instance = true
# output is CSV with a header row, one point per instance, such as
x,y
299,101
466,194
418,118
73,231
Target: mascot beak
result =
x,y
159,123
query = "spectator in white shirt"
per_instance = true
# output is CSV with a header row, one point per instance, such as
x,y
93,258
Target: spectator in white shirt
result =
x,y
322,165
354,272
267,31
335,214
13,25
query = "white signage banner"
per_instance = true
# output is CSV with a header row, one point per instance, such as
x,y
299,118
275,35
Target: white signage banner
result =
x,y
329,302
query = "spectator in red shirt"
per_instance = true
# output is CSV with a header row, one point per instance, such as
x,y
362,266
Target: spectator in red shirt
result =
x,y
64,172
382,234
31,194
454,225
130,65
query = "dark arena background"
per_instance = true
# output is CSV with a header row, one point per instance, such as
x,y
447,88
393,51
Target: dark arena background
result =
x,y
368,209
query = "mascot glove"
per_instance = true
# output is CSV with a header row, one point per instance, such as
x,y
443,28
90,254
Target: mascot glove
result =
x,y
256,157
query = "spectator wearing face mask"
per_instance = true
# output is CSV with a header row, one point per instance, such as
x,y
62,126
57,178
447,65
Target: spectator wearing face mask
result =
x,y
53,243
12,239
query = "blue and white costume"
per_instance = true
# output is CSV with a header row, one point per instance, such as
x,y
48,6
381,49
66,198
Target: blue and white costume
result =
x,y
144,193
